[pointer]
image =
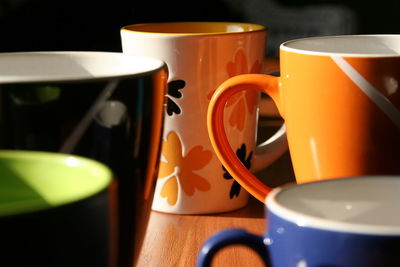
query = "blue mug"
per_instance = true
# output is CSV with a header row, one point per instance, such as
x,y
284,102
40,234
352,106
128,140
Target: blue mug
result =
x,y
332,223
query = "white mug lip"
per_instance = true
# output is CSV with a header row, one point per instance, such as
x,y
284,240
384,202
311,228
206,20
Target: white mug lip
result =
x,y
148,65
285,46
134,28
303,220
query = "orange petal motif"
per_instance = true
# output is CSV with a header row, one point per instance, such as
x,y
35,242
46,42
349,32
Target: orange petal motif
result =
x,y
251,97
195,159
191,181
170,191
234,99
256,68
172,148
239,64
237,116
172,151
166,169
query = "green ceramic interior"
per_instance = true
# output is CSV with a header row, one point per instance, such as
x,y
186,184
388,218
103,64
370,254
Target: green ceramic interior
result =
x,y
31,181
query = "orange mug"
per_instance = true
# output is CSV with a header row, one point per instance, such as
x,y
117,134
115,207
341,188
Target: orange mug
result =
x,y
340,99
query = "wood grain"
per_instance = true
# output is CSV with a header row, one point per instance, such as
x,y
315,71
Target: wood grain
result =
x,y
174,240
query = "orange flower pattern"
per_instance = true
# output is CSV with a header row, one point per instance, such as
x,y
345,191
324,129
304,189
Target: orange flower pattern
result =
x,y
179,169
243,99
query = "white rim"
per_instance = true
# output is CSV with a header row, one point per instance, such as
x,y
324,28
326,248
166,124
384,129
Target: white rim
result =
x,y
304,220
286,46
232,28
65,66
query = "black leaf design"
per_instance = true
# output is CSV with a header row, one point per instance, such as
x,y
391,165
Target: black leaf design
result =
x,y
172,107
241,154
235,190
173,92
174,87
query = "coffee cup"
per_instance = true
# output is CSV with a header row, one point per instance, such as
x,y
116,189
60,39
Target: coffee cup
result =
x,y
338,222
56,210
102,105
199,56
340,101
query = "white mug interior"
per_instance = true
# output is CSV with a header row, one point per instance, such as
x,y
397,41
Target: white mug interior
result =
x,y
381,45
366,205
31,67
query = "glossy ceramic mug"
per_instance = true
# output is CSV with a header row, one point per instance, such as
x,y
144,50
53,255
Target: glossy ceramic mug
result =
x,y
102,105
56,210
338,222
200,55
340,101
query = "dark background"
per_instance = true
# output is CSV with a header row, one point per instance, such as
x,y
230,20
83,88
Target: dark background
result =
x,y
29,25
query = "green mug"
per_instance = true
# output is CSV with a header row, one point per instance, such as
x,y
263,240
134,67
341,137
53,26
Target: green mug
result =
x,y
55,210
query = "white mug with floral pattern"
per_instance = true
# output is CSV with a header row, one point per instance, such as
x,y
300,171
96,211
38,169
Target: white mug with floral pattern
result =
x,y
200,56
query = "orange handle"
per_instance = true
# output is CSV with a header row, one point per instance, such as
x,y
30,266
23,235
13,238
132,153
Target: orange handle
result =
x,y
216,130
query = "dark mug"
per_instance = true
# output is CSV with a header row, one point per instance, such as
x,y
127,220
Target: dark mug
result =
x,y
50,101
55,210
110,128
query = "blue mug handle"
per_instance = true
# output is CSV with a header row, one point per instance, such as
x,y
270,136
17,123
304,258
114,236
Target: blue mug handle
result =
x,y
231,237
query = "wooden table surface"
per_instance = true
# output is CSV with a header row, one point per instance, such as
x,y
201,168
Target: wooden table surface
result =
x,y
174,240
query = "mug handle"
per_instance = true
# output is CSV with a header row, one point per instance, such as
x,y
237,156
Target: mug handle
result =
x,y
272,148
231,237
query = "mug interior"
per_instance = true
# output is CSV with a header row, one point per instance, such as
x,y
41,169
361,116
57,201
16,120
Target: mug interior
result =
x,y
23,67
347,45
194,28
360,204
32,181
